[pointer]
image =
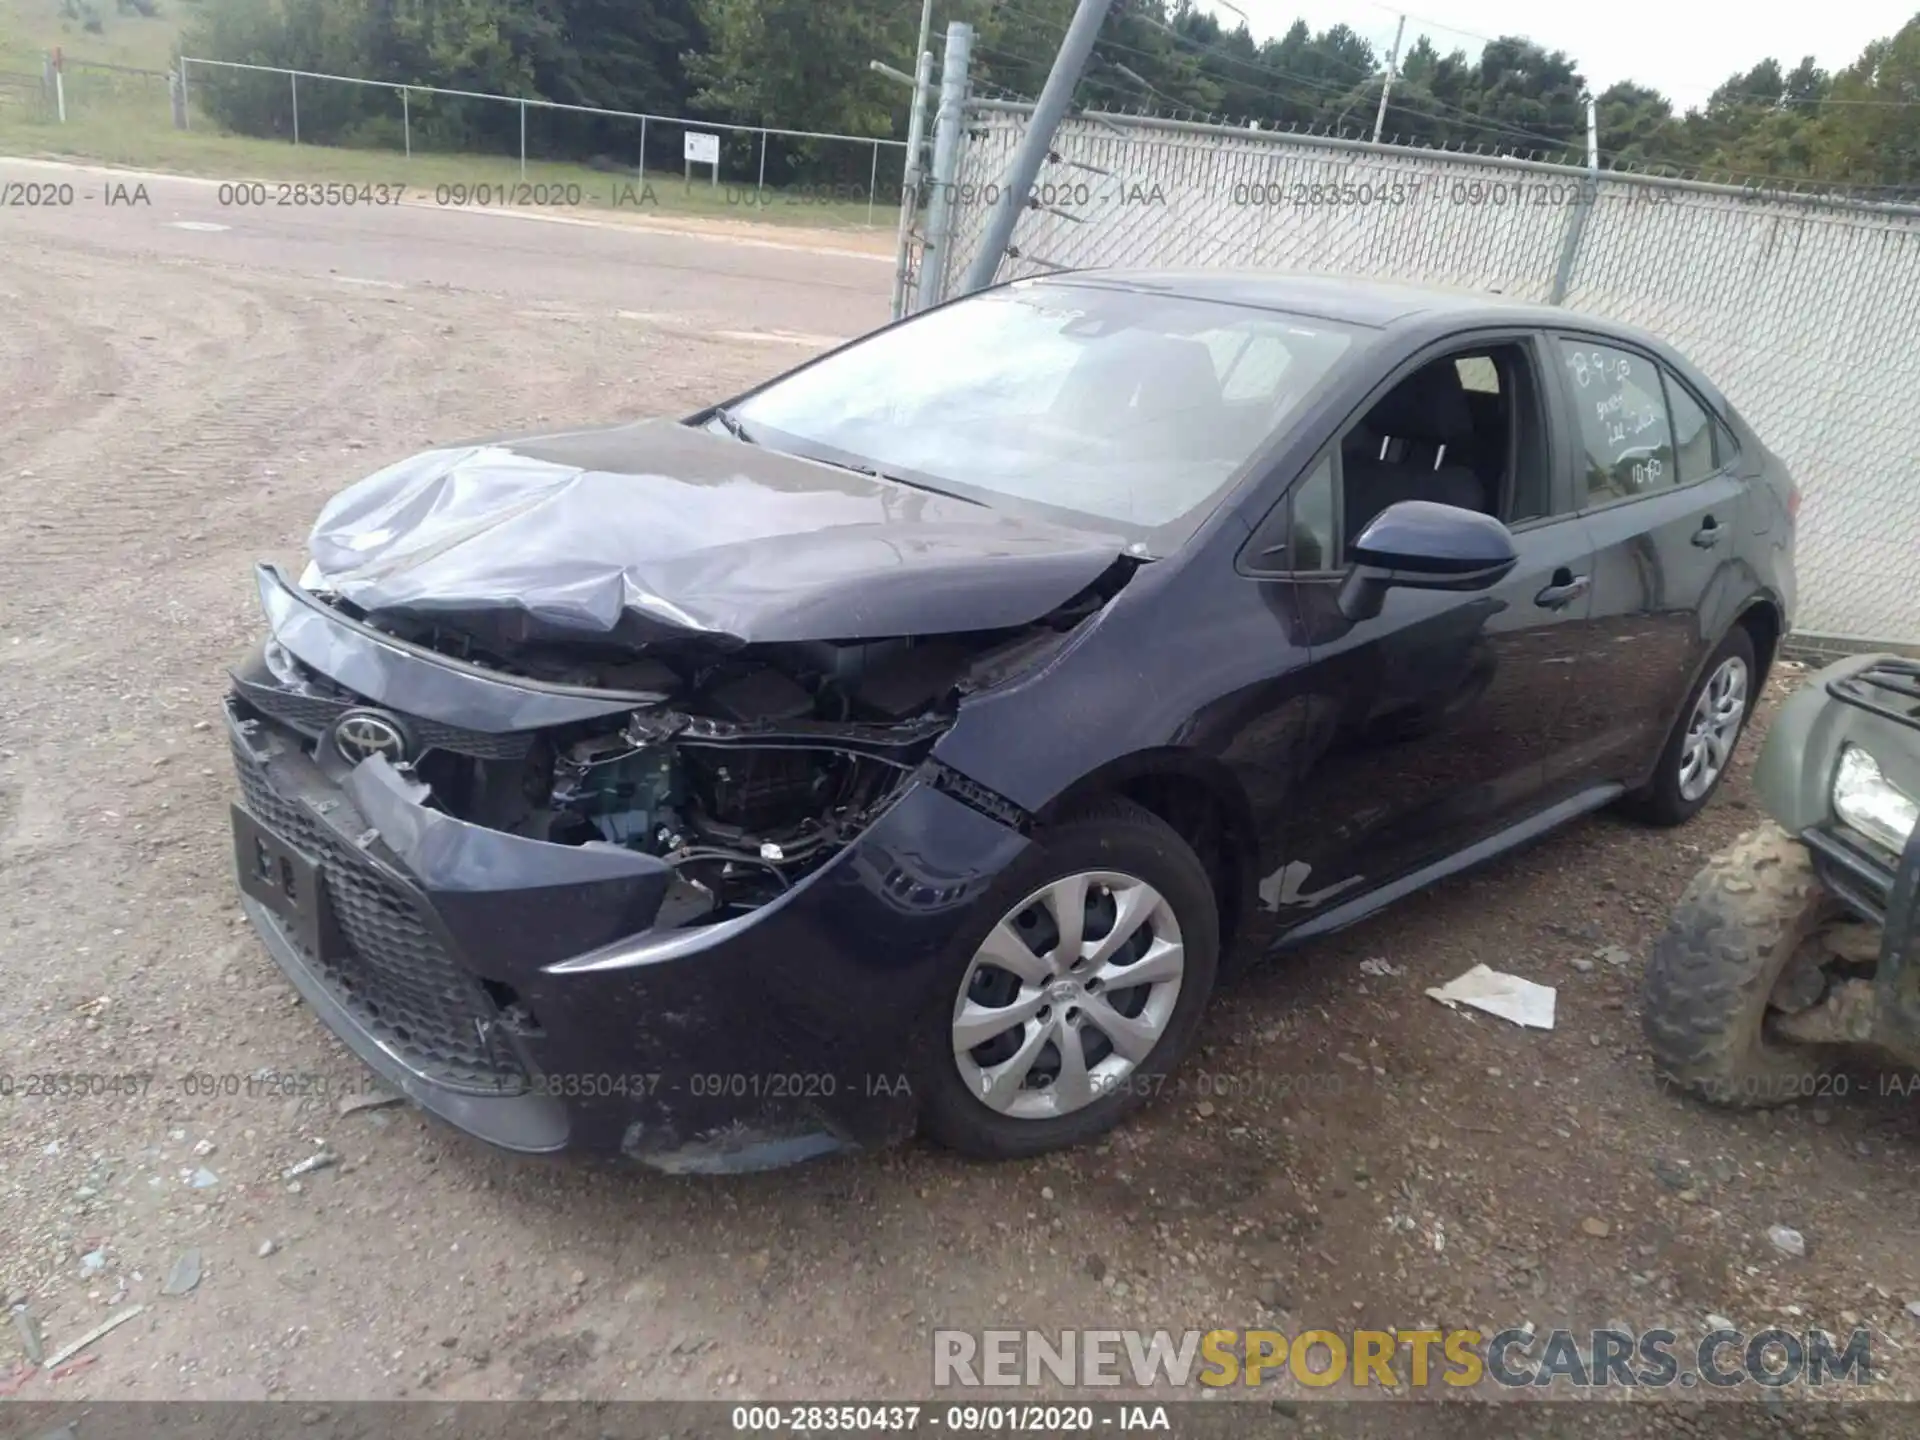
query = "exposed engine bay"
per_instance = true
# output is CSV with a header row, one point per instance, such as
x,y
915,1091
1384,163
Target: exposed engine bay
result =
x,y
756,765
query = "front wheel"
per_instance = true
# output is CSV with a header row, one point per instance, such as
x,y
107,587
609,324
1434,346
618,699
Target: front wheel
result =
x,y
1070,1008
1749,915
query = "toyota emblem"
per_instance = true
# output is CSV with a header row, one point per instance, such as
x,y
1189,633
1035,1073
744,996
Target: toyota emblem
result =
x,y
361,734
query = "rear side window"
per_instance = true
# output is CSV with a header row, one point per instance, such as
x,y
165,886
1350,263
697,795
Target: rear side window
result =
x,y
1626,437
1702,446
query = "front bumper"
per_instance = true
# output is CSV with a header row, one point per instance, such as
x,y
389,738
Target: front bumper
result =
x,y
541,998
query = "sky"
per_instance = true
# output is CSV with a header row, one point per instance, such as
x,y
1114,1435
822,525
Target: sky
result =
x,y
1682,48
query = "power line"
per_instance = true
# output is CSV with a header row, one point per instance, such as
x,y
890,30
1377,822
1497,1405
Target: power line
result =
x,y
1145,84
1546,143
1744,95
1450,114
1457,116
1773,100
1438,25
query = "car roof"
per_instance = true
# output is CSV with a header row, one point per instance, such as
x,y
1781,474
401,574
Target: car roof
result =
x,y
1374,303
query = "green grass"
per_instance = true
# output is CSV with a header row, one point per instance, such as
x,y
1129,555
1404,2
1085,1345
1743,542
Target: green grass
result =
x,y
125,120
129,129
30,28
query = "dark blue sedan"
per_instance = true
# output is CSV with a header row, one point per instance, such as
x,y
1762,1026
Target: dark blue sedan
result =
x,y
911,741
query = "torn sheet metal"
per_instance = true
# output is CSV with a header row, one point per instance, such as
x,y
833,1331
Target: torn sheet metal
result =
x,y
654,530
1508,996
421,683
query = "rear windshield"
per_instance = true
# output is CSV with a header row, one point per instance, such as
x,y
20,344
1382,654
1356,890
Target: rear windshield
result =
x,y
1133,411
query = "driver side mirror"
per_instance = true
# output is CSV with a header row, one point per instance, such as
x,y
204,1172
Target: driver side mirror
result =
x,y
1421,545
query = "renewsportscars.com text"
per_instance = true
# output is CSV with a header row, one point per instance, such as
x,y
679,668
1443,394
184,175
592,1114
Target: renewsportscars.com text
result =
x,y
1396,1359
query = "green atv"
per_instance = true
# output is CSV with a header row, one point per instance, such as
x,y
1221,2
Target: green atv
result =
x,y
1794,948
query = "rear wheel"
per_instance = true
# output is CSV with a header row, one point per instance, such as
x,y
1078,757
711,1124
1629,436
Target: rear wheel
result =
x,y
1068,1011
1699,749
1730,961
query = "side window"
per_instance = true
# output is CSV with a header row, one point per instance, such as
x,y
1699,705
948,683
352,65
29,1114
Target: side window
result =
x,y
1315,543
1478,374
1626,438
1702,446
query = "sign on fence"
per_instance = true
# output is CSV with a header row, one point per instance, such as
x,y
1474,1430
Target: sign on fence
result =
x,y
703,149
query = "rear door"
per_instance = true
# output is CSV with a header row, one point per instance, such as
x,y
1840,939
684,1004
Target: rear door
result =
x,y
1663,507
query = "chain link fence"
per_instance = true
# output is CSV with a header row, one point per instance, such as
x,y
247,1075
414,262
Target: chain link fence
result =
x,y
1804,309
746,166
23,95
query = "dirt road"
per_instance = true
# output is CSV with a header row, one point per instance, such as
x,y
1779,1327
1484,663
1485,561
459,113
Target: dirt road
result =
x,y
178,403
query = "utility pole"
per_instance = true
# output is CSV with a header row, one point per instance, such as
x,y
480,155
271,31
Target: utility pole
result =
x,y
926,34
1035,145
1386,86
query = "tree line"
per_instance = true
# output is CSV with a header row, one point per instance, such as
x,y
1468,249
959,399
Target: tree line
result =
x,y
803,65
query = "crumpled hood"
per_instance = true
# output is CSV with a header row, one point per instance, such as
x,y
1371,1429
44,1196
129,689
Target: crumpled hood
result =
x,y
657,530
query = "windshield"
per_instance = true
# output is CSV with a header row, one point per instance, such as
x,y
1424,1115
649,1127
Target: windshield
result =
x,y
1132,410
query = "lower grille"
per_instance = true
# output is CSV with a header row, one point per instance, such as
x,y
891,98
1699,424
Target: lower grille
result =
x,y
396,976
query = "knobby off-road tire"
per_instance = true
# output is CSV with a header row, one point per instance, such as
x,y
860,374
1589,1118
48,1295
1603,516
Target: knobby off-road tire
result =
x,y
1704,999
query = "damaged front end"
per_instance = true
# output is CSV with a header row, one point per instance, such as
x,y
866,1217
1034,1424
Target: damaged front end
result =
x,y
742,769
527,884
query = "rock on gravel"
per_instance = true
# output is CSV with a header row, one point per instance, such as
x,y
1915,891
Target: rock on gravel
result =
x,y
185,1274
320,1160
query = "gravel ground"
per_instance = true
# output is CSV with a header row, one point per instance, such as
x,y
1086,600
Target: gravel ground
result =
x,y
1346,1152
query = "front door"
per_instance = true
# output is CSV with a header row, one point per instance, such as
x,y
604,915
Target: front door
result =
x,y
1427,728
1444,710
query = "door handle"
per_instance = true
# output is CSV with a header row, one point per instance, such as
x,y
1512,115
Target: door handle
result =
x,y
1709,533
1564,592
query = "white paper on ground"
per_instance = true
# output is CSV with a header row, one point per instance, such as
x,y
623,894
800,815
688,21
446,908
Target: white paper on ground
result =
x,y
1508,996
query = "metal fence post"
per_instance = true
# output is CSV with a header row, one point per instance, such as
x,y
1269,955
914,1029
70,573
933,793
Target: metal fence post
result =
x,y
186,106
523,139
406,121
910,182
873,183
642,175
946,163
1570,243
761,185
293,84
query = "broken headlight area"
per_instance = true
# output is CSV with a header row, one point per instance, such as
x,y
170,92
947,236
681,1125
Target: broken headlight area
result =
x,y
740,810
754,768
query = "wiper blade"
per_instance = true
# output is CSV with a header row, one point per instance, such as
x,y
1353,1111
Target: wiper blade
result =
x,y
733,425
877,473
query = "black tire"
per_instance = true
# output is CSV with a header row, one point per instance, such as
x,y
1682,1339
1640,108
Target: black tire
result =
x,y
1704,998
1659,801
1114,835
